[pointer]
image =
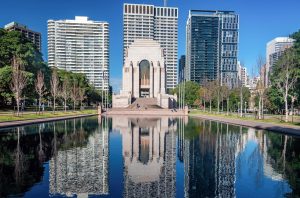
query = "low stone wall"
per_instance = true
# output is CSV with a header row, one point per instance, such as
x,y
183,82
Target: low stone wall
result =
x,y
158,112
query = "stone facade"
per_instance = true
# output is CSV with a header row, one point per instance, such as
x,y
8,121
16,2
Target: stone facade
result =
x,y
144,75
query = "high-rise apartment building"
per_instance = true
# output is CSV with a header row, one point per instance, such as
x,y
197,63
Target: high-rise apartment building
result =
x,y
242,75
158,23
80,46
181,68
275,48
212,46
33,36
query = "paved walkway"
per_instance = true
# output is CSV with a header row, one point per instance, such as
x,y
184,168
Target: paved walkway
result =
x,y
287,129
36,121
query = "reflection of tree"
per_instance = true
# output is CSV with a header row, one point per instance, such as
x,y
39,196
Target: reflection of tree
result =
x,y
19,160
21,155
40,150
284,153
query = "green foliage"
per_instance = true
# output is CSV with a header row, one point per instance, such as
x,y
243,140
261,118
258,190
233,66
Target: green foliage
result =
x,y
274,100
13,43
191,92
278,75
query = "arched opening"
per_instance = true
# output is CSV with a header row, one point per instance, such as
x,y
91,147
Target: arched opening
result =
x,y
144,79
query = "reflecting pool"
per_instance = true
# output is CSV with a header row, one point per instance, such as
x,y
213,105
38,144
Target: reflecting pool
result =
x,y
147,157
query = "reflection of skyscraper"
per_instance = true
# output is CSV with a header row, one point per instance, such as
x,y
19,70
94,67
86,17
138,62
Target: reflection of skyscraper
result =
x,y
209,161
149,154
83,170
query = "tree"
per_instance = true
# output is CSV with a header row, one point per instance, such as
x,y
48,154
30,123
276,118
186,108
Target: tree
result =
x,y
64,92
74,93
210,93
5,92
40,86
261,86
223,93
81,95
286,74
191,90
203,96
54,87
18,82
217,93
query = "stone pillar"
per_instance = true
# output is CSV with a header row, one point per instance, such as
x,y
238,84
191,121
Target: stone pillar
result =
x,y
136,83
163,81
136,142
130,79
151,82
150,144
156,81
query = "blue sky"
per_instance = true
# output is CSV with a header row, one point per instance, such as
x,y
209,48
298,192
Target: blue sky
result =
x,y
260,21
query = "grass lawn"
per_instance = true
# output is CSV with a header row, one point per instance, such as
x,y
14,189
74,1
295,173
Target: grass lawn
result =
x,y
33,115
269,118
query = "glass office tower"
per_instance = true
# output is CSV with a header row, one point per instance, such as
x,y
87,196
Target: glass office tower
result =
x,y
212,47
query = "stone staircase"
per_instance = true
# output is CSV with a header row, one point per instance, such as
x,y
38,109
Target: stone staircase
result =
x,y
144,104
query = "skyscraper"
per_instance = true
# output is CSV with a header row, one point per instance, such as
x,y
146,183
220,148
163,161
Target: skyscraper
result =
x,y
212,46
80,46
181,68
275,48
33,36
159,23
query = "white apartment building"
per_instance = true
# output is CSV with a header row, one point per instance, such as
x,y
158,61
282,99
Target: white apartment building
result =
x,y
275,49
80,46
242,75
142,21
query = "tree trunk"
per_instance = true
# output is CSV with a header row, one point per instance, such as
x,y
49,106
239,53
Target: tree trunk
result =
x,y
259,108
227,106
210,106
74,103
218,102
241,100
18,106
54,105
286,107
204,106
65,105
293,110
39,104
222,106
262,108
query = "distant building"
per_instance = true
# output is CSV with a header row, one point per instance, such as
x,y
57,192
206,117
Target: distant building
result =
x,y
33,36
242,75
212,46
158,23
253,82
275,48
80,46
181,68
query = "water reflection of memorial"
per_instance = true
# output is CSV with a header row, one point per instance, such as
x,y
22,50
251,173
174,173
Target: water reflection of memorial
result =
x,y
82,170
149,154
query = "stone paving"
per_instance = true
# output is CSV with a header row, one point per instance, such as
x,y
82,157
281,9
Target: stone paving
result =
x,y
287,129
36,121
